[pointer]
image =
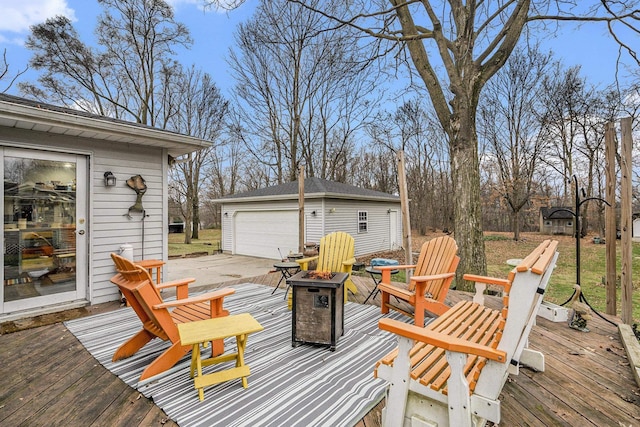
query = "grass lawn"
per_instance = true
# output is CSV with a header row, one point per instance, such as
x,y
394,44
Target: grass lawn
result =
x,y
499,248
208,242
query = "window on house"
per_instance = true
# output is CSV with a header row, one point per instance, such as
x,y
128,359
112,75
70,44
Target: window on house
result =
x,y
363,225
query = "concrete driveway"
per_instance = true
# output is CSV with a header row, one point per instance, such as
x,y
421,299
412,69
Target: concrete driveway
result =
x,y
213,269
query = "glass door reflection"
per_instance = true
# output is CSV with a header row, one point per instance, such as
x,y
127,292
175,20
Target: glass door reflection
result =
x,y
39,227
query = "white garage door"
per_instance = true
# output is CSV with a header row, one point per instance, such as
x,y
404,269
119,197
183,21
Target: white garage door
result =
x,y
261,233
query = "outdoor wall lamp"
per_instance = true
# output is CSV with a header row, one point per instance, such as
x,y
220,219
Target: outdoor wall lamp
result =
x,y
314,213
109,179
332,210
388,211
226,214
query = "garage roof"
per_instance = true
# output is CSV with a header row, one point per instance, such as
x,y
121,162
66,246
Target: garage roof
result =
x,y
22,113
313,188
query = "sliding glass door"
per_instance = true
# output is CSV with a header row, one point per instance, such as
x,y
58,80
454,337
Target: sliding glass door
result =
x,y
45,255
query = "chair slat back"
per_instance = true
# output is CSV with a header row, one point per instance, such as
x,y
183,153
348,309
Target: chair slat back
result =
x,y
137,286
436,256
523,301
146,293
335,248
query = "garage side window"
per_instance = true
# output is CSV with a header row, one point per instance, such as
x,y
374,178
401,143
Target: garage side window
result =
x,y
363,224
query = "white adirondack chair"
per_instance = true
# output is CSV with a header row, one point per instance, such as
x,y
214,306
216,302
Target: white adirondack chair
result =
x,y
451,372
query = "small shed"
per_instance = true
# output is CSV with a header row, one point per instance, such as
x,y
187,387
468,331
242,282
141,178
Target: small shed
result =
x,y
557,220
67,204
264,223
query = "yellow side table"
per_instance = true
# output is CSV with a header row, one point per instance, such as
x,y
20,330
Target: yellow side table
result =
x,y
204,331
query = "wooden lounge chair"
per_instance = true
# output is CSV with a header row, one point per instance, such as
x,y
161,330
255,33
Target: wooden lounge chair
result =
x,y
335,254
451,372
429,284
159,318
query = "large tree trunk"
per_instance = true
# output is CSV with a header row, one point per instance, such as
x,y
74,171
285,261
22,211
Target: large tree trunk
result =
x,y
465,173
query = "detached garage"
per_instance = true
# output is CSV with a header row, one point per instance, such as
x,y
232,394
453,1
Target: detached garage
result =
x,y
261,233
264,223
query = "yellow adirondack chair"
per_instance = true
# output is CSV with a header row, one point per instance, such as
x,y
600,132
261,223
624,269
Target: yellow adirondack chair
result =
x,y
335,254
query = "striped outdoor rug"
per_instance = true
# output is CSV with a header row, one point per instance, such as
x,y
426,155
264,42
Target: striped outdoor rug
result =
x,y
303,386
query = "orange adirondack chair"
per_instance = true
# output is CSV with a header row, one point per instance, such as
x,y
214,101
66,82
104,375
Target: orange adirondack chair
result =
x,y
336,254
430,283
160,319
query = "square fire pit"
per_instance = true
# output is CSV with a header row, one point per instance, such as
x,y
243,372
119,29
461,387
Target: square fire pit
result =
x,y
318,308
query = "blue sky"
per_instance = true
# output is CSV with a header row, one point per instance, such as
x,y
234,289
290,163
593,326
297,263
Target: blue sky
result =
x,y
213,35
211,31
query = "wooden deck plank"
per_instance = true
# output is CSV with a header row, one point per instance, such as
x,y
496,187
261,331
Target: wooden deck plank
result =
x,y
533,407
43,393
587,381
32,383
154,418
131,408
611,365
73,401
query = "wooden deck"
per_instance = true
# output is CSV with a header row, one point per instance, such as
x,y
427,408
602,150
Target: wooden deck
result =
x,y
48,378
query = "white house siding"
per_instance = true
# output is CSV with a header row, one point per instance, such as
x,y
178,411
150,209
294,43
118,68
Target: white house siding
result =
x,y
112,228
108,228
331,215
314,224
345,218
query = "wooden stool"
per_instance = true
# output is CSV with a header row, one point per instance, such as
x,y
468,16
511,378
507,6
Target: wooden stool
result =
x,y
204,331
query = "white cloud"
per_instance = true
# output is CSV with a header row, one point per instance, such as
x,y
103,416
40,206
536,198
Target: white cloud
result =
x,y
176,3
220,6
18,16
11,40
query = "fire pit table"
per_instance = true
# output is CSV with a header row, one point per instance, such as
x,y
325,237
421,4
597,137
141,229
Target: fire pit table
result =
x,y
318,307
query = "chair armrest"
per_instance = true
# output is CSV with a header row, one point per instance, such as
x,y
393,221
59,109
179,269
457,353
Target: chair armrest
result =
x,y
393,267
181,285
175,283
209,296
349,262
303,262
432,277
441,340
488,280
481,283
387,269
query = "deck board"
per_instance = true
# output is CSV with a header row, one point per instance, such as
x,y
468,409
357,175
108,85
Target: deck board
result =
x,y
48,378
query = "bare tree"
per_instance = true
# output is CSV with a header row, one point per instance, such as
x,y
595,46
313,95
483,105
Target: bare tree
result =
x,y
302,91
125,76
426,166
200,112
413,129
455,48
5,73
509,125
376,167
572,117
133,74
